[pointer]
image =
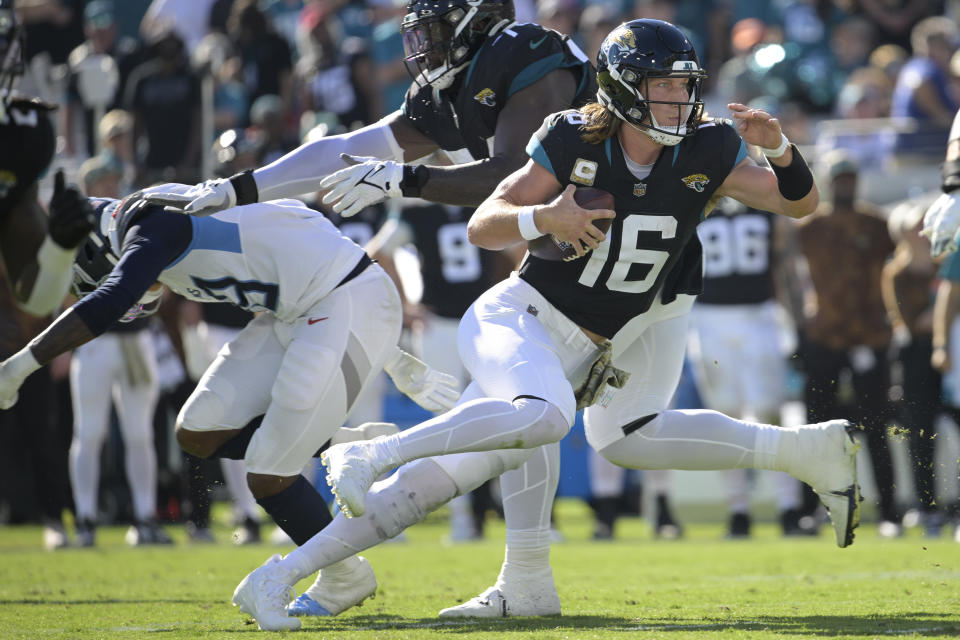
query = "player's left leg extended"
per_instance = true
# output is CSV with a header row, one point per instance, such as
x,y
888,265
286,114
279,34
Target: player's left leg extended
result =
x,y
634,432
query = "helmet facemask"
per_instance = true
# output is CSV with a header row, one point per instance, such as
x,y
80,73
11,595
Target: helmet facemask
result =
x,y
627,71
438,44
96,259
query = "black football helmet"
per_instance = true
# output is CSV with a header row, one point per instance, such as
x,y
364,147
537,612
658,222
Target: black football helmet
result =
x,y
440,37
96,258
100,253
629,57
11,53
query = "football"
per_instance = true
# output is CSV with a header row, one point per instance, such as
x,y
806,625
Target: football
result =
x,y
548,248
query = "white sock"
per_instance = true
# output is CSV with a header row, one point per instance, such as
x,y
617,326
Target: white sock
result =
x,y
235,476
394,504
527,554
486,424
738,490
528,494
141,467
658,481
85,476
697,439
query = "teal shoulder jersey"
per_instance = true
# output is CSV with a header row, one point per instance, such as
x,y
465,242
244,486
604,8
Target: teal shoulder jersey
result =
x,y
464,117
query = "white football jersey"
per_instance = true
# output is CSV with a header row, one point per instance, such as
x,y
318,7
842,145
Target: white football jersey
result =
x,y
278,256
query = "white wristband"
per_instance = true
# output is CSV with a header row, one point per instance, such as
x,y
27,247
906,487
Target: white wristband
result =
x,y
528,228
779,151
22,363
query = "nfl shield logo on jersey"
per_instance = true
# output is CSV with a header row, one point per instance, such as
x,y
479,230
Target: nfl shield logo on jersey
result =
x,y
639,190
696,181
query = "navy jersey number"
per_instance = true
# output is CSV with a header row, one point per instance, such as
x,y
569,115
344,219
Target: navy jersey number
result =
x,y
251,295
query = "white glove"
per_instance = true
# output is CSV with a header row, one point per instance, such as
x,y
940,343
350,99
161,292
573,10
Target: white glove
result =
x,y
13,371
365,183
199,200
941,223
431,389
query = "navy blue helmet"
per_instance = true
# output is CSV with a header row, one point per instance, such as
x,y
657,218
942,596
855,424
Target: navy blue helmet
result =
x,y
633,54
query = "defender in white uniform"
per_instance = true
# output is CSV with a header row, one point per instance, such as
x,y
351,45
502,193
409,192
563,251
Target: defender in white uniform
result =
x,y
330,322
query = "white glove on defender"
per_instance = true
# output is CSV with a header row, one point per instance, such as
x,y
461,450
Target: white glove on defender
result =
x,y
13,371
941,222
431,389
366,183
199,200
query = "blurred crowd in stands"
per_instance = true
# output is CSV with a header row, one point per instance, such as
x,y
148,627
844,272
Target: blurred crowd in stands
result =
x,y
184,90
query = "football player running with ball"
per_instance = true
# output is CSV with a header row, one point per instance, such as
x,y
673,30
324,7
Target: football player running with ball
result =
x,y
562,335
482,84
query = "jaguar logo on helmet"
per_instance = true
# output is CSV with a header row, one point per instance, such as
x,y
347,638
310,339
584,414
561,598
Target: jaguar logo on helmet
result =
x,y
627,63
440,37
624,37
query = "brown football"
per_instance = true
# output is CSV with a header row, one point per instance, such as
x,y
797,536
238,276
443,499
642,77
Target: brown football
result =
x,y
548,248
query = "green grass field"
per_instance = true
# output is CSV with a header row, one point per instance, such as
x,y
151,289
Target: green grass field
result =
x,y
637,587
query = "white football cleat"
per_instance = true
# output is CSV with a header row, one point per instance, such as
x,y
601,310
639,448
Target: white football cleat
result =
x,y
826,459
521,598
352,468
265,594
339,587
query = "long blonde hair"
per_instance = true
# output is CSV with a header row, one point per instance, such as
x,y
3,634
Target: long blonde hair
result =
x,y
599,123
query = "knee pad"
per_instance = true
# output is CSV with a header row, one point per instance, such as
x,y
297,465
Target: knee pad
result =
x,y
546,421
205,408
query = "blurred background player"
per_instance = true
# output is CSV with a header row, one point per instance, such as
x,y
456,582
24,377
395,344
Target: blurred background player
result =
x,y
909,293
37,252
119,365
736,340
846,331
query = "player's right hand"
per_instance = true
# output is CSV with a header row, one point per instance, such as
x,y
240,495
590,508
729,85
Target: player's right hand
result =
x,y
200,200
941,224
71,216
568,222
